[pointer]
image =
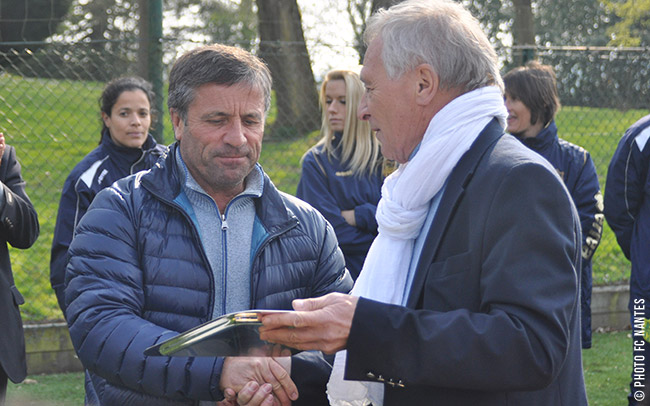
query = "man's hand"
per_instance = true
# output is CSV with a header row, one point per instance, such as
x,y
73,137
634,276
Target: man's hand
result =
x,y
317,324
252,394
252,374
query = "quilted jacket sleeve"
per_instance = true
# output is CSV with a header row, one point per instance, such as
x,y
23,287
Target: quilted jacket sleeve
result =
x,y
105,301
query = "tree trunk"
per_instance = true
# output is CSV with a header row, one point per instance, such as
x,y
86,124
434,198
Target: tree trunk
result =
x,y
523,30
143,39
283,48
376,5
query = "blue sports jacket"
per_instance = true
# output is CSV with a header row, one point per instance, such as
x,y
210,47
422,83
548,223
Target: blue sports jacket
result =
x,y
97,170
576,168
627,206
330,187
138,275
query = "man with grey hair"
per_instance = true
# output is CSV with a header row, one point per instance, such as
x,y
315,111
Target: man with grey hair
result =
x,y
201,234
469,294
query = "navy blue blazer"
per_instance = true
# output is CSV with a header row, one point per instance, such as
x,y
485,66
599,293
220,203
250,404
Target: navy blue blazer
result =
x,y
18,227
492,315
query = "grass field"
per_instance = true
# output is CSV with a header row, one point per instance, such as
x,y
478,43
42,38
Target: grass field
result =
x,y
53,124
606,368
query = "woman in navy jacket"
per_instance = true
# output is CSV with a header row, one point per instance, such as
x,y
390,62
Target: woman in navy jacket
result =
x,y
532,101
18,227
125,147
342,174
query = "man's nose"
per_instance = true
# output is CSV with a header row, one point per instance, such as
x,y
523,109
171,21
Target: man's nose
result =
x,y
235,134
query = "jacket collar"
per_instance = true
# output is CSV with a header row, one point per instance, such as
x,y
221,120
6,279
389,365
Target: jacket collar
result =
x,y
543,140
164,181
125,156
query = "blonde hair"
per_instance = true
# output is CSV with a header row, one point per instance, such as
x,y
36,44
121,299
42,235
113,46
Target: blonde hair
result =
x,y
359,148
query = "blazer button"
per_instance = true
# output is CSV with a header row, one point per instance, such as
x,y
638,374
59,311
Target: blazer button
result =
x,y
400,383
370,375
380,378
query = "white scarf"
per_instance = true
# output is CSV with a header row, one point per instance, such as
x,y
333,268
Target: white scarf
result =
x,y
405,200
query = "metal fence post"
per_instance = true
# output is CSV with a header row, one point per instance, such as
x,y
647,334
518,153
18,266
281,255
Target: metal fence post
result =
x,y
150,56
155,62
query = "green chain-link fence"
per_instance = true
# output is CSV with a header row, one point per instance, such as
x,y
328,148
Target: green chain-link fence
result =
x,y
49,111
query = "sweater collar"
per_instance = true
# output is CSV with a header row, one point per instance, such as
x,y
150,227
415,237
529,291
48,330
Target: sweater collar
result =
x,y
254,181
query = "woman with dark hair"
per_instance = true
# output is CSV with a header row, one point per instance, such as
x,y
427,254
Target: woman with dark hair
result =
x,y
125,147
532,101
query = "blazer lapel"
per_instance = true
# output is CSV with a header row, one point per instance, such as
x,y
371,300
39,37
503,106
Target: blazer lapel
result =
x,y
459,178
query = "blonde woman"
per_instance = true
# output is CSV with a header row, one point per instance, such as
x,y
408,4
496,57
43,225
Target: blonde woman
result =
x,y
342,173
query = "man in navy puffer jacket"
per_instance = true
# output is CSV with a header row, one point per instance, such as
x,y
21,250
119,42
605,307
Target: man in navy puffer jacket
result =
x,y
627,210
202,233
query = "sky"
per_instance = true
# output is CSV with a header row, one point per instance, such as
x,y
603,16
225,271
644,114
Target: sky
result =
x,y
329,35
327,30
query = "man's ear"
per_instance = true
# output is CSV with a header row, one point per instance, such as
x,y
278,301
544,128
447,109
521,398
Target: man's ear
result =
x,y
106,119
177,121
427,84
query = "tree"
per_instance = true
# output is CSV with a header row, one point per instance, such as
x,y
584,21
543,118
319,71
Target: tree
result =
x,y
282,46
29,20
358,12
576,22
523,28
223,21
105,38
494,17
542,23
633,29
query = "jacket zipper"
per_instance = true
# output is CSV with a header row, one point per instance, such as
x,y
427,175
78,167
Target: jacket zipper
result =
x,y
224,262
137,162
261,248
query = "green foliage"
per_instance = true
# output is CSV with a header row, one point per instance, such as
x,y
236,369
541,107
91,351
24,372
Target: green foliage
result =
x,y
495,17
226,22
100,20
633,29
557,22
575,22
29,20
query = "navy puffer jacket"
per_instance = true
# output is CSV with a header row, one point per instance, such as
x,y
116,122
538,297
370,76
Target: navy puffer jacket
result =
x,y
627,203
138,275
